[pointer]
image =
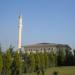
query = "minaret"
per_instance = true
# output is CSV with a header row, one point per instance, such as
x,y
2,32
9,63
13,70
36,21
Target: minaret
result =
x,y
20,33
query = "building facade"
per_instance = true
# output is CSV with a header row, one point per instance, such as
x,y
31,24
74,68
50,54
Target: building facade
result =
x,y
45,47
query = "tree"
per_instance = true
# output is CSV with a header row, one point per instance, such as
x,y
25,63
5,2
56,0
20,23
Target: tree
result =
x,y
26,63
18,63
46,59
69,59
42,63
74,56
32,62
67,47
42,60
11,50
74,52
37,62
1,61
52,58
7,63
60,57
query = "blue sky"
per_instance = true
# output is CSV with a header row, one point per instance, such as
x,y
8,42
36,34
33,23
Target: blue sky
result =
x,y
50,21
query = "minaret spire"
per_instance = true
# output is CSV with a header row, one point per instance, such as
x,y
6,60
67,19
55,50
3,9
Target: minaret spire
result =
x,y
20,33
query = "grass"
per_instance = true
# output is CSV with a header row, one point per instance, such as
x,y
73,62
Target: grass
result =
x,y
61,71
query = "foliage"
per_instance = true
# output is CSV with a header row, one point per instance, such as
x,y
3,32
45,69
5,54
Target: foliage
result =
x,y
37,61
52,59
69,59
15,63
7,60
32,62
11,50
46,60
42,60
26,62
60,57
18,63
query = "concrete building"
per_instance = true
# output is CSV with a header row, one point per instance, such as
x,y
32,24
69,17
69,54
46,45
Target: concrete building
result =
x,y
45,47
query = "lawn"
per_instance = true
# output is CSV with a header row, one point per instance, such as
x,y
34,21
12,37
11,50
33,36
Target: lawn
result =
x,y
61,71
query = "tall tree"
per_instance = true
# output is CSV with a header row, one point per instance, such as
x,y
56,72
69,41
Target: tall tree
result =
x,y
52,58
60,57
74,52
8,62
26,62
32,62
18,63
37,61
46,59
74,56
11,50
42,60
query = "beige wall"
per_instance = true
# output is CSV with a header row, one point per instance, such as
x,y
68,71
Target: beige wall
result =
x,y
40,49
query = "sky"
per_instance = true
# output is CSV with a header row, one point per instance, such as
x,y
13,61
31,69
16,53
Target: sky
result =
x,y
49,21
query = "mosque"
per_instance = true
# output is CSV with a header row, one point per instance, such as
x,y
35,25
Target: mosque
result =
x,y
39,47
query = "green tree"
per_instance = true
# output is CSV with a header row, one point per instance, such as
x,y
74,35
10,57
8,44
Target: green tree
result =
x,y
1,61
42,60
60,57
52,58
32,62
46,60
26,62
74,52
37,61
18,63
74,56
11,50
69,58
42,63
7,62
